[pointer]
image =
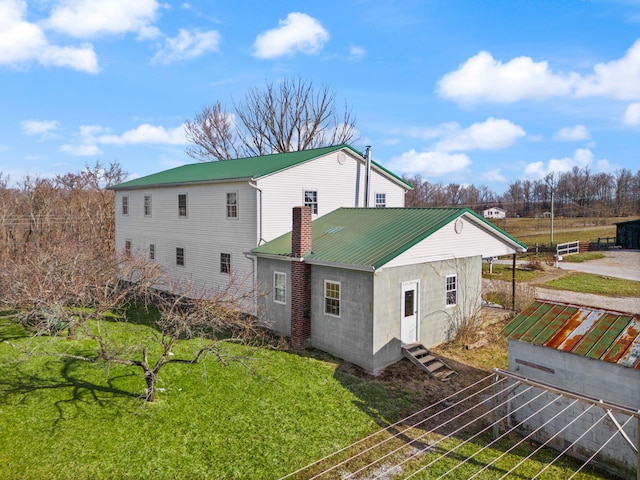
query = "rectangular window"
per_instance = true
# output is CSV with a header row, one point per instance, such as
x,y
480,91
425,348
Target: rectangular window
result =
x,y
125,205
381,200
332,298
280,287
147,205
452,290
232,205
182,205
127,248
180,256
152,251
225,263
311,200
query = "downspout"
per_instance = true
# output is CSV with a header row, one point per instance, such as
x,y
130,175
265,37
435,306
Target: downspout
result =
x,y
253,258
260,239
367,176
513,283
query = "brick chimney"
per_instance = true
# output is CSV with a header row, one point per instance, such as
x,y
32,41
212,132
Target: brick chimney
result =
x,y
300,278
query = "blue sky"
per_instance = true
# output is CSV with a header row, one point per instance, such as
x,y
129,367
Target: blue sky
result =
x,y
469,92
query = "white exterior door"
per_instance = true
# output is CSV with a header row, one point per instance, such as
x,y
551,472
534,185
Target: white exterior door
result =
x,y
409,304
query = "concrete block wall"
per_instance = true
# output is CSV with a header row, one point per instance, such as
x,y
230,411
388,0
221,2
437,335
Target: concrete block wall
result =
x,y
594,378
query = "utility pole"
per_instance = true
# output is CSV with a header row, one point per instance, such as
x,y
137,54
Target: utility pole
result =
x,y
551,238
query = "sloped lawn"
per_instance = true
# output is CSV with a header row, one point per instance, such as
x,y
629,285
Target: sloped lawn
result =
x,y
67,419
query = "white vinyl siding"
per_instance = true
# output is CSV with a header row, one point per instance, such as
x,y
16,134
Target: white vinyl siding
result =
x,y
203,236
338,185
473,240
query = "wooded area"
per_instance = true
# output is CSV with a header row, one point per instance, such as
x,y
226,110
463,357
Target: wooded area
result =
x,y
576,193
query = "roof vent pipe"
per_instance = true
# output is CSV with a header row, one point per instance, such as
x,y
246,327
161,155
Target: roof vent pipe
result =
x,y
367,176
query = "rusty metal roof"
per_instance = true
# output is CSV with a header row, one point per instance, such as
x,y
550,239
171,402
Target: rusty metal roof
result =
x,y
593,333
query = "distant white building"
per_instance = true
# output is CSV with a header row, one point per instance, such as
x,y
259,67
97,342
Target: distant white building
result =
x,y
494,213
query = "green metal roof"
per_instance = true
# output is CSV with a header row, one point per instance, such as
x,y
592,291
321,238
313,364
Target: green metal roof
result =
x,y
593,333
242,168
371,237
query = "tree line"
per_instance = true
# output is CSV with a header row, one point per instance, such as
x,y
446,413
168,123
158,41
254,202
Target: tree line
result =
x,y
576,193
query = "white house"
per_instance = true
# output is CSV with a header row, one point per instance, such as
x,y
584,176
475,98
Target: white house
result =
x,y
200,220
494,213
361,283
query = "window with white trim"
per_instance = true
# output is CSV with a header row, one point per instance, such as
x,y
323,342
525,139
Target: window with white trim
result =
x,y
125,205
381,200
311,200
225,263
180,256
232,204
182,205
280,287
332,298
147,205
452,290
152,251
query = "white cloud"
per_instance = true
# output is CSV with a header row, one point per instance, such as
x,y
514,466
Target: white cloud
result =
x,y
582,157
297,33
356,53
22,42
91,18
492,134
81,150
43,128
618,79
147,133
632,114
187,45
572,134
493,176
483,79
431,164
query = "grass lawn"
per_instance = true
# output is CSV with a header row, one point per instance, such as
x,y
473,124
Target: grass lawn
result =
x,y
67,419
582,257
62,418
597,284
504,273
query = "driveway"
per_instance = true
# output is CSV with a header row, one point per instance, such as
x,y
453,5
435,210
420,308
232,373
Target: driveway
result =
x,y
616,263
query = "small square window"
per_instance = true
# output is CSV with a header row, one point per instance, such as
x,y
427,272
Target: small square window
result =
x,y
152,251
381,200
125,205
280,287
180,256
225,263
332,298
147,205
182,205
311,200
232,205
452,290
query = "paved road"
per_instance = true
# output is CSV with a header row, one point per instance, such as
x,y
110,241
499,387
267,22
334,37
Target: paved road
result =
x,y
629,273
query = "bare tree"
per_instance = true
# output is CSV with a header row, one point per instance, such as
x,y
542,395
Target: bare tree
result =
x,y
288,116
